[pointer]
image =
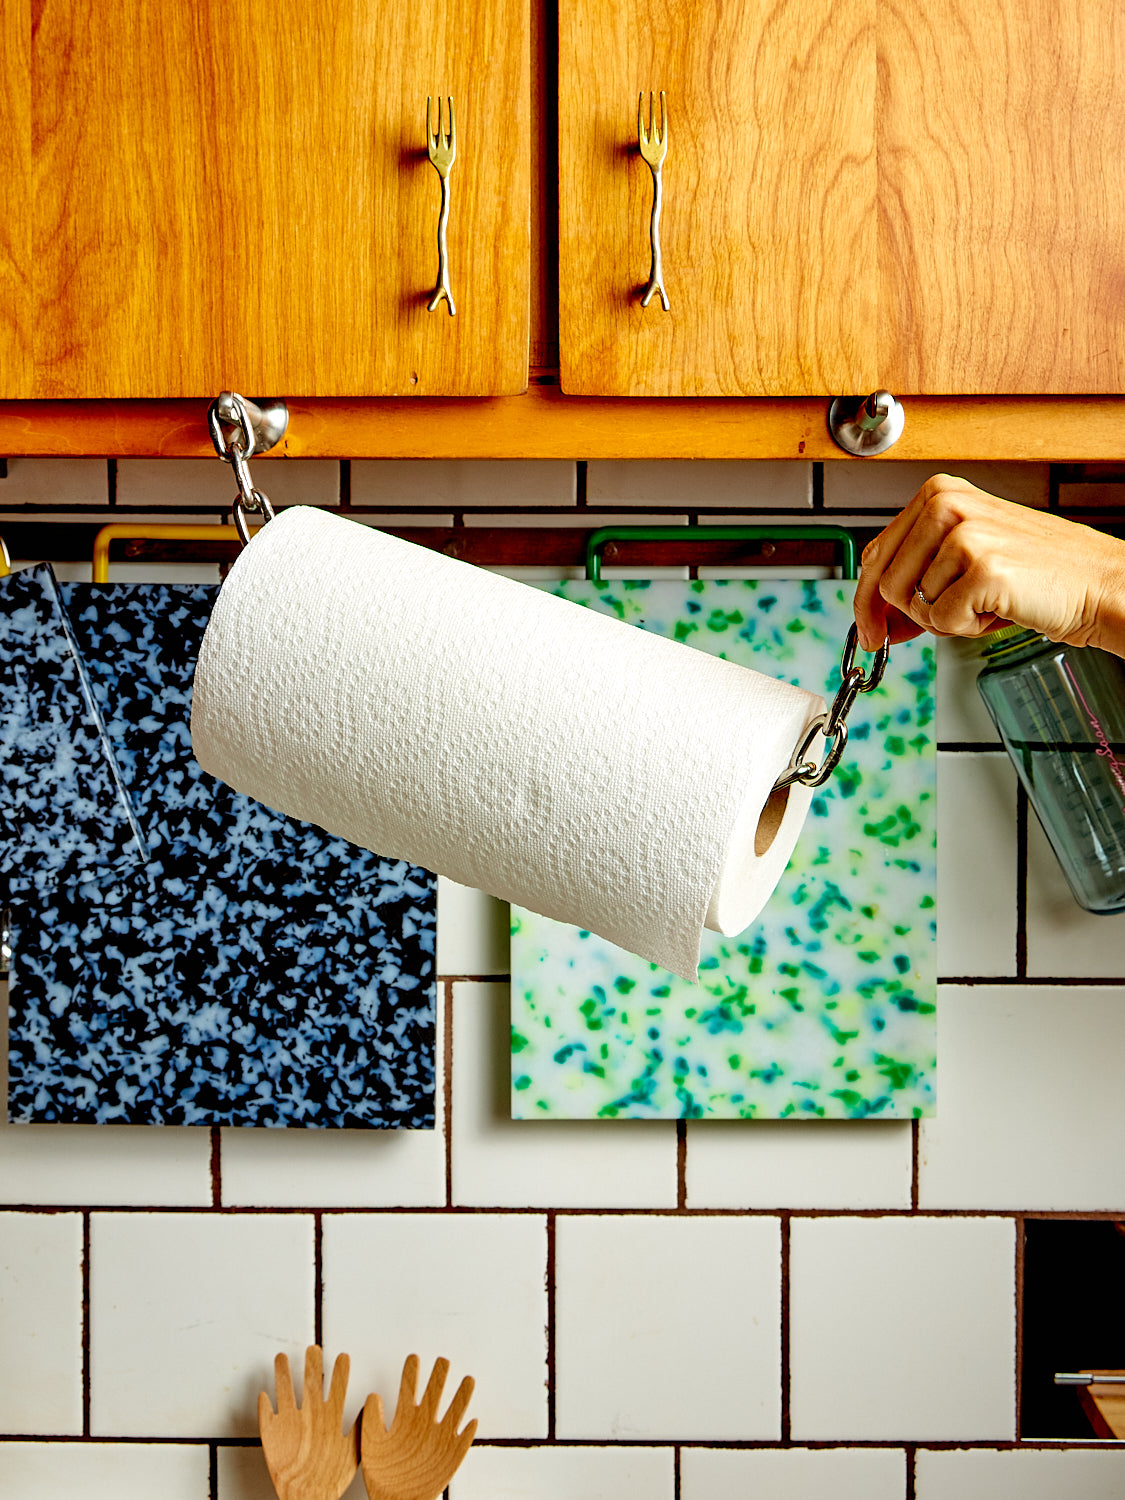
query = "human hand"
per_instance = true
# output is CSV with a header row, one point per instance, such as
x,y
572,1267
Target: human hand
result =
x,y
982,563
307,1454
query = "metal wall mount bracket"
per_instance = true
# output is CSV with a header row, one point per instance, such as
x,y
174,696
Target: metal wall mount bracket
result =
x,y
866,428
268,421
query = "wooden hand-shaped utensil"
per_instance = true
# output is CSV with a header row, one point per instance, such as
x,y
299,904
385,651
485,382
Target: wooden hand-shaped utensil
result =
x,y
415,1458
307,1453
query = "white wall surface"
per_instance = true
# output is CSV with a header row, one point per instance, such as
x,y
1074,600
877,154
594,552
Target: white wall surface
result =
x,y
786,1310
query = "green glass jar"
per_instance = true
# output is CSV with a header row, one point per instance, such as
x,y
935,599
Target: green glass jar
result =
x,y
1060,711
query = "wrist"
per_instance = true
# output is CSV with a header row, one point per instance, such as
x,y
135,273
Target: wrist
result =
x,y
1107,627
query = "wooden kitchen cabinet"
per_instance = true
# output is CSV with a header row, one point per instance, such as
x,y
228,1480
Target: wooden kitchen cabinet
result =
x,y
15,134
225,196
926,195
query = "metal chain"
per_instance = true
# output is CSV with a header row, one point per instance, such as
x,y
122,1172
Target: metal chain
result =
x,y
833,724
237,450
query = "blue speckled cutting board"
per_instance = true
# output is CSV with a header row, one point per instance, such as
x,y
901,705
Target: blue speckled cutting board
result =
x,y
255,971
64,816
825,1006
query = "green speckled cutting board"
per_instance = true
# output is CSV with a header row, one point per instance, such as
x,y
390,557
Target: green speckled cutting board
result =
x,y
825,1006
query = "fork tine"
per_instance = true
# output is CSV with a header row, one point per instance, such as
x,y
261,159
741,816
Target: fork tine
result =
x,y
452,126
663,118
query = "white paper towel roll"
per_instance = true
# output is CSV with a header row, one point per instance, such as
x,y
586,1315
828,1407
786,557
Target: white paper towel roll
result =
x,y
514,741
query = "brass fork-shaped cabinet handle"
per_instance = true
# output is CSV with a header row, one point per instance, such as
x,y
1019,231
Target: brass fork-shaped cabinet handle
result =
x,y
441,148
653,143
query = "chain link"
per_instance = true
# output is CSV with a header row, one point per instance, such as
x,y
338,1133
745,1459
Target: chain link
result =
x,y
237,449
833,724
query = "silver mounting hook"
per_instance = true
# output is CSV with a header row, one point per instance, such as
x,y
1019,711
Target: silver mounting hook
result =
x,y
239,429
260,424
866,428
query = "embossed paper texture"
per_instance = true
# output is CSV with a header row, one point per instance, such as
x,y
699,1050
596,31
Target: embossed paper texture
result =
x,y
255,971
825,1006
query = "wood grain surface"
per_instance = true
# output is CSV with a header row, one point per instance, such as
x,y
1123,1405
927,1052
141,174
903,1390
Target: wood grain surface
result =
x,y
15,220
768,226
1001,149
927,196
226,200
544,423
1104,1405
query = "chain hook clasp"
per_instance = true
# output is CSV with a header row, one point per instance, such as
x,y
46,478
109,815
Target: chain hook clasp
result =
x,y
239,429
833,724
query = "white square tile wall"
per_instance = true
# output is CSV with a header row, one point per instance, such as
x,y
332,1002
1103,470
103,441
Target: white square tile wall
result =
x,y
104,1165
1063,940
668,1325
501,1162
902,1328
700,484
632,1473
59,482
469,1287
961,714
40,1324
622,1293
450,484
103,1471
191,483
473,931
979,865
1038,1474
799,1164
1017,1061
187,1313
890,483
793,1474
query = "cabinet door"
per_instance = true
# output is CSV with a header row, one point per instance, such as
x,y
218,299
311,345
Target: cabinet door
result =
x,y
768,231
231,196
15,173
1002,196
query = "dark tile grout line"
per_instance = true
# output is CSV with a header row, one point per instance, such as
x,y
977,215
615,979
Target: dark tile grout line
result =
x,y
911,1456
213,1472
111,481
1021,1245
915,1174
818,487
447,1087
345,484
551,1330
737,1445
507,1211
501,1210
580,483
1031,981
677,1452
318,1279
1021,883
86,1376
681,1164
216,1166
785,1358
970,747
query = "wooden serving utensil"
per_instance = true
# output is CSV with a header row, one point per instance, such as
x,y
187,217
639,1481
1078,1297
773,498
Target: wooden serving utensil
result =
x,y
308,1455
415,1458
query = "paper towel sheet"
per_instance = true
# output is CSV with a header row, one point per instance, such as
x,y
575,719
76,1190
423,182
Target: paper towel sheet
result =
x,y
516,742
